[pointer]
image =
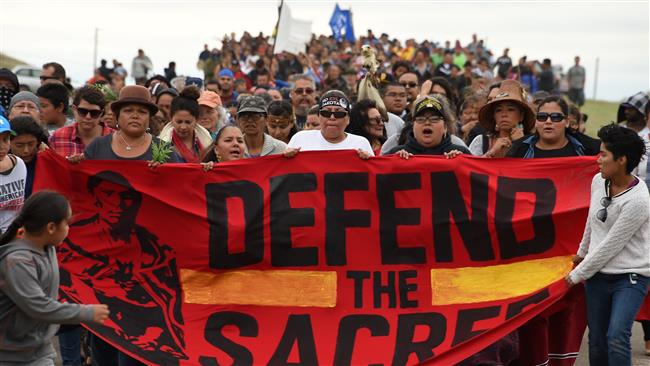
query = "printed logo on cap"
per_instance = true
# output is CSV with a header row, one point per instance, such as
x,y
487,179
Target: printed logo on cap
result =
x,y
428,103
335,101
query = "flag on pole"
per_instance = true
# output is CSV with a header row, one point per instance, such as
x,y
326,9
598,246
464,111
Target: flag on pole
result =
x,y
293,34
341,23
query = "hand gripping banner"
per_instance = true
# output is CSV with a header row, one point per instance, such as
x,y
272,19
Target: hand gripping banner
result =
x,y
319,259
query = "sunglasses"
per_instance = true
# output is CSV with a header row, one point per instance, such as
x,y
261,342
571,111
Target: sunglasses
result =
x,y
409,85
555,117
43,78
328,114
94,113
602,213
304,91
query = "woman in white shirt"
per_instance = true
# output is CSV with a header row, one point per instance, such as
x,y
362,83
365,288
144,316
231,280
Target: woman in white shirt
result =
x,y
334,116
614,255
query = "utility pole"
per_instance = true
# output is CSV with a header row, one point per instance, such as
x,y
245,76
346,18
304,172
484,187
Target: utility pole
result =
x,y
95,51
596,77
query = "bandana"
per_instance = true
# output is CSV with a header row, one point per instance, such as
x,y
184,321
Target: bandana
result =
x,y
5,97
335,101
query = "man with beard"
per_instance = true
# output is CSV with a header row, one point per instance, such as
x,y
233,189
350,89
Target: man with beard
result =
x,y
97,259
251,119
303,97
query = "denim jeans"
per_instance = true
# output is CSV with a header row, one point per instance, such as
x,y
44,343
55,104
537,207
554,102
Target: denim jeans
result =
x,y
612,304
70,345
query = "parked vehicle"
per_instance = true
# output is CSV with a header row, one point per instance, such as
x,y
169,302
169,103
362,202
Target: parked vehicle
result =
x,y
28,77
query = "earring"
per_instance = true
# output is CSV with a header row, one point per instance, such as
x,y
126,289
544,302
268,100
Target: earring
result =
x,y
117,125
218,158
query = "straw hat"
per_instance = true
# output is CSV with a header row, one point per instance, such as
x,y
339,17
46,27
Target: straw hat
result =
x,y
510,91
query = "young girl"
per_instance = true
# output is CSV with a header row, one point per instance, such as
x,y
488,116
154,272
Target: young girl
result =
x,y
29,283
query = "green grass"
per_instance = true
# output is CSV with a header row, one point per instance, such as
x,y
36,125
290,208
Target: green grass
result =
x,y
9,62
600,113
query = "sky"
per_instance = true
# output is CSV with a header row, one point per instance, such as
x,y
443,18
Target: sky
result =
x,y
616,33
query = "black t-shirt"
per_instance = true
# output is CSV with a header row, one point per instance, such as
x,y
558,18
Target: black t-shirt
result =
x,y
567,150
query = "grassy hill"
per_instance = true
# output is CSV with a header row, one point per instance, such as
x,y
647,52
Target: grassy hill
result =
x,y
9,62
600,113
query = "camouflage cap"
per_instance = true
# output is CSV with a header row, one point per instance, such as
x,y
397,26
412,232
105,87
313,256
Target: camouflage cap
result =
x,y
252,104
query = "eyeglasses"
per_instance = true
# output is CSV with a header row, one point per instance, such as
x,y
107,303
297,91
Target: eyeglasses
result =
x,y
328,114
94,113
409,85
43,78
396,95
376,121
307,91
253,117
424,119
555,117
602,213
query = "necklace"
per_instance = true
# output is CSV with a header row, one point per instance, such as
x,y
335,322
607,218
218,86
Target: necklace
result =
x,y
130,147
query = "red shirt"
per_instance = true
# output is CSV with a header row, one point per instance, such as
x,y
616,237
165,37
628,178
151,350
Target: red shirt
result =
x,y
65,141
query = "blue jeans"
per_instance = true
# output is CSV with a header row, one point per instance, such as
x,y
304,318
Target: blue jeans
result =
x,y
70,345
612,304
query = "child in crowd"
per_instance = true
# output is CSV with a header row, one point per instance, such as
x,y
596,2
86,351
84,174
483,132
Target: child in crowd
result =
x,y
29,283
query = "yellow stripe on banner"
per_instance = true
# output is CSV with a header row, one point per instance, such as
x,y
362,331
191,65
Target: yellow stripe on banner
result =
x,y
481,284
268,288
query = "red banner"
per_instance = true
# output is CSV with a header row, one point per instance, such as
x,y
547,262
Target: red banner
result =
x,y
320,259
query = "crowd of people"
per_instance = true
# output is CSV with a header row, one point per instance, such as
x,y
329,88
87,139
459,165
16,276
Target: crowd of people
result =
x,y
431,99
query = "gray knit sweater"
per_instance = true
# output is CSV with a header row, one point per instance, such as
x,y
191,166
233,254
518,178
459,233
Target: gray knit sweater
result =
x,y
621,244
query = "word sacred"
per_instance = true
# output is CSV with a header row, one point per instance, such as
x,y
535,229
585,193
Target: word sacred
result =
x,y
416,334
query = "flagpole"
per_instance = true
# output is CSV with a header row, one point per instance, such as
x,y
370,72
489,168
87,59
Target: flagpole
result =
x,y
277,25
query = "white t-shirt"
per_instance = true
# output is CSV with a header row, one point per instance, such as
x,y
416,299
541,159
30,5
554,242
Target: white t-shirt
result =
x,y
12,193
314,140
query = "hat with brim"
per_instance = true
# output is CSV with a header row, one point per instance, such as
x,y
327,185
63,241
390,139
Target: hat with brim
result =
x,y
510,91
134,94
5,126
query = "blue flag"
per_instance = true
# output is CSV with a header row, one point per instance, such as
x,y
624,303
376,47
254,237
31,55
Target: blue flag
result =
x,y
341,21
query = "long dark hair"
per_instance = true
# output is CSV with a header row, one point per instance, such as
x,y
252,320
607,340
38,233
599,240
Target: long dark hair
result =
x,y
359,120
40,209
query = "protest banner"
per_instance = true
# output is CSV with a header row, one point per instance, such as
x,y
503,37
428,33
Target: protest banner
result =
x,y
320,259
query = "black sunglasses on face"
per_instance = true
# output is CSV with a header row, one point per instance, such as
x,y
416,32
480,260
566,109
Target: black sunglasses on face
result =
x,y
43,78
602,213
304,91
555,117
94,113
328,114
